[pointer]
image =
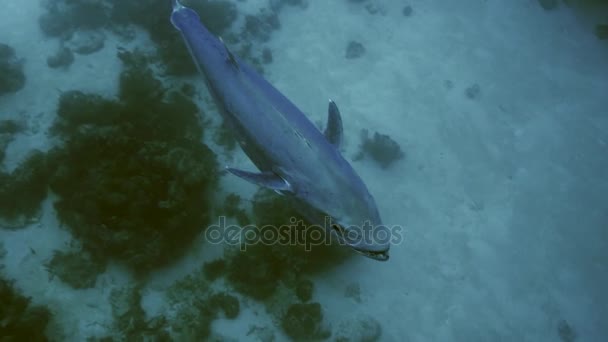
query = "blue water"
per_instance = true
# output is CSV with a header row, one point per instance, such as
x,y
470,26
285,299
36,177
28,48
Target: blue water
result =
x,y
485,150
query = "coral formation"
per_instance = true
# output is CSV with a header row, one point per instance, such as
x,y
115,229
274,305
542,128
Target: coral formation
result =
x,y
196,306
291,254
152,15
214,269
232,208
354,50
23,189
77,269
12,78
360,328
305,322
304,290
381,148
19,320
133,178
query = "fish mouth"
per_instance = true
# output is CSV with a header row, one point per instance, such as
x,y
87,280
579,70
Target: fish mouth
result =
x,y
376,255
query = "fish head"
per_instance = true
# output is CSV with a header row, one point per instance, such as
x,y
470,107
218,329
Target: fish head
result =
x,y
356,223
349,212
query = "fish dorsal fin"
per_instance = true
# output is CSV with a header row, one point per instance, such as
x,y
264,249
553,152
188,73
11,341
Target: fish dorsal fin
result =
x,y
268,180
231,59
333,130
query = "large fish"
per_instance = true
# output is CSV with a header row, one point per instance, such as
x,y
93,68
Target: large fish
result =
x,y
293,157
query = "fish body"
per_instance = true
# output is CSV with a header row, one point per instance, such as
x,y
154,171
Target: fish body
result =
x,y
294,158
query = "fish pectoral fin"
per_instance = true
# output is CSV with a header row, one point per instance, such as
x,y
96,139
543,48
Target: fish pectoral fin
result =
x,y
231,59
333,130
265,179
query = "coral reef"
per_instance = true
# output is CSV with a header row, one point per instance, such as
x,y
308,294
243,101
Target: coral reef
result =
x,y
7,129
232,208
304,290
354,50
23,189
407,11
293,253
75,268
196,306
152,15
19,320
225,303
601,32
130,322
548,5
361,328
214,269
305,322
473,92
64,17
133,178
381,148
63,58
565,331
12,78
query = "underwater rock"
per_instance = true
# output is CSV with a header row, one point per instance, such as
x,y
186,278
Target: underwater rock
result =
x,y
86,42
12,78
305,322
362,328
548,5
381,148
61,59
133,178
304,290
354,50
22,191
19,320
77,269
407,11
473,92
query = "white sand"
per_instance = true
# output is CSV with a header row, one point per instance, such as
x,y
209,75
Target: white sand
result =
x,y
503,198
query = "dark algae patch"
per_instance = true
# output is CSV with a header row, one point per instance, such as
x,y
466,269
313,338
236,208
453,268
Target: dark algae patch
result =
x,y
19,319
257,269
22,190
133,178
